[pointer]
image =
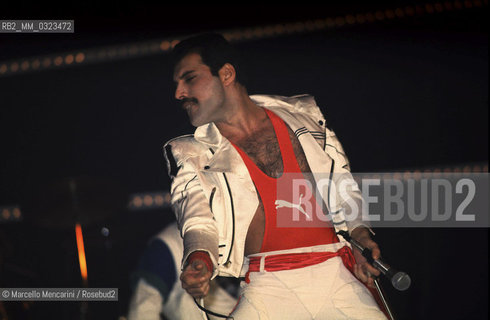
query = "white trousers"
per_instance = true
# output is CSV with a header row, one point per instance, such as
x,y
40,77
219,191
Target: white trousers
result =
x,y
323,291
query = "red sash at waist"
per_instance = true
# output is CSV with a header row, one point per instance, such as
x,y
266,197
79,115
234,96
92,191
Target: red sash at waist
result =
x,y
290,261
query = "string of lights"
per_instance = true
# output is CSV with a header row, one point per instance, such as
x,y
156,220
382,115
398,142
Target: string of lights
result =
x,y
157,46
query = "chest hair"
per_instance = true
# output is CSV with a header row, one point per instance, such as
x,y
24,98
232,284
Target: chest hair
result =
x,y
263,149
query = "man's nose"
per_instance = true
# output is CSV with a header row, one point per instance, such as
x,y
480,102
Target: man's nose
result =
x,y
180,92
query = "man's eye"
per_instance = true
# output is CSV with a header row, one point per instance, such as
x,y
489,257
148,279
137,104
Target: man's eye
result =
x,y
189,79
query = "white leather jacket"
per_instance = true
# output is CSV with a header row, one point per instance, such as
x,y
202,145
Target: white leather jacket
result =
x,y
214,197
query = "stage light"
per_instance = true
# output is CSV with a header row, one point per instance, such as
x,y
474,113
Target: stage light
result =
x,y
407,175
137,202
427,174
80,57
419,10
247,33
299,26
350,19
69,59
46,62
410,11
58,61
258,32
360,18
417,175
399,13
380,16
102,54
111,53
279,29
133,50
436,173
439,7
153,47
123,51
137,49
24,65
6,214
159,200
448,6
10,213
81,254
339,21
36,64
14,67
147,200
429,8
143,48
310,25
16,213
370,17
390,14
165,45
394,176
268,31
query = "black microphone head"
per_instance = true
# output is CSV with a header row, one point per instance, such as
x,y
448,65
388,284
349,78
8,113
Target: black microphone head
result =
x,y
401,281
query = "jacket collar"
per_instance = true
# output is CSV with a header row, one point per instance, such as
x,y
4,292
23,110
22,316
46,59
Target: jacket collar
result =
x,y
209,134
223,155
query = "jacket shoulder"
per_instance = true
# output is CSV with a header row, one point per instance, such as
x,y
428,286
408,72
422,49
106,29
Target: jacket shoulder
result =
x,y
179,149
302,103
183,147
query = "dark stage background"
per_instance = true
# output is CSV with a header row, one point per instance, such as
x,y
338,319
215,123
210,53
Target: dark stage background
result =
x,y
402,92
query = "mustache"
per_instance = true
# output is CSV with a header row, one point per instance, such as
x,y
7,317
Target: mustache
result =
x,y
187,100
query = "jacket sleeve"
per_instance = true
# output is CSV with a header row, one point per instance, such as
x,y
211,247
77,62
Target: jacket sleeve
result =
x,y
194,217
349,196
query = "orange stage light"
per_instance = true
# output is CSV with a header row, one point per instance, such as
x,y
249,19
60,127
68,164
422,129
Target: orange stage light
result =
x,y
81,254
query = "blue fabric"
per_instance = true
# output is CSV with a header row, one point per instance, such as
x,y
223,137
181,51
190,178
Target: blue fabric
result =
x,y
157,267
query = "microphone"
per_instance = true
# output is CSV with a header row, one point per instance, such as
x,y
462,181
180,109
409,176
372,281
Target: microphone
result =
x,y
399,279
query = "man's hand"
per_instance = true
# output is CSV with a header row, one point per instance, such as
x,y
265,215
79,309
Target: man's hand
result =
x,y
362,269
195,278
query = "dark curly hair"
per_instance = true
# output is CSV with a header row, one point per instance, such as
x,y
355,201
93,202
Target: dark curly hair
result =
x,y
214,50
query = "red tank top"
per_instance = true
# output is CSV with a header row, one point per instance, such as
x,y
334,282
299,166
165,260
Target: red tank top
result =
x,y
290,233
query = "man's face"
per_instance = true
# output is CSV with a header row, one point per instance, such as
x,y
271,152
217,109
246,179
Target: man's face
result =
x,y
200,93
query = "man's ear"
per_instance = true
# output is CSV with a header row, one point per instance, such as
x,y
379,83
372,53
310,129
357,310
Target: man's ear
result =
x,y
227,74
